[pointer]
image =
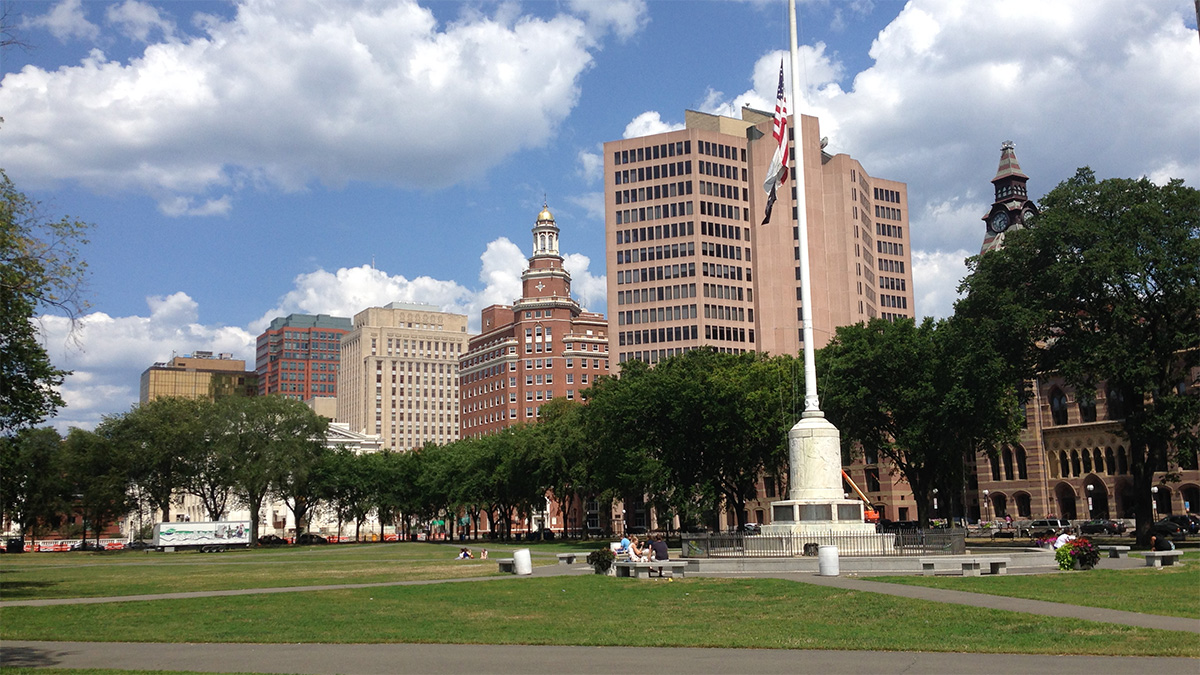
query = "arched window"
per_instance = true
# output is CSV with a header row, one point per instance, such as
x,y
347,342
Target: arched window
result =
x,y
1074,463
1058,406
1008,464
1087,461
1087,409
1022,472
1110,463
995,462
1115,404
1023,505
1098,458
1066,469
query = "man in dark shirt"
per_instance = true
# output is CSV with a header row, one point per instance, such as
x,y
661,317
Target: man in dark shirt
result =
x,y
659,548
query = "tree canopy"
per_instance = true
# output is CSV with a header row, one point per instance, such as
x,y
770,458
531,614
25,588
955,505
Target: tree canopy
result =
x,y
921,395
1105,287
40,269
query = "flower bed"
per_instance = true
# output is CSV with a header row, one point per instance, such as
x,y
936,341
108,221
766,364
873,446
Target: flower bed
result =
x,y
1078,553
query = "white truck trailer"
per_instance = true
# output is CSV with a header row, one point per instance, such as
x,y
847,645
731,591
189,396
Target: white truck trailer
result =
x,y
207,537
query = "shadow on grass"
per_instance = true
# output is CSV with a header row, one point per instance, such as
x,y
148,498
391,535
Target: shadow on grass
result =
x,y
20,590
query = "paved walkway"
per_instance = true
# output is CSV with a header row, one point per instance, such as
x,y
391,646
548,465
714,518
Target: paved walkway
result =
x,y
325,659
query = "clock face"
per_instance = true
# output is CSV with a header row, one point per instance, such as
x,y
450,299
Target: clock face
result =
x,y
1026,216
999,222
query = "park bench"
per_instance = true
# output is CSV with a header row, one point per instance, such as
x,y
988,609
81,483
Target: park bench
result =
x,y
971,567
638,570
1160,558
566,558
1115,551
506,565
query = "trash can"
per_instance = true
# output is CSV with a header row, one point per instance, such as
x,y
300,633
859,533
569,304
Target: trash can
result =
x,y
522,563
827,561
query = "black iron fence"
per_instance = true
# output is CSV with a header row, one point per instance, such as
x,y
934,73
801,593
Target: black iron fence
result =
x,y
901,543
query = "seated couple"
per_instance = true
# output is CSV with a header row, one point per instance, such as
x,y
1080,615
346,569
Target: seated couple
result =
x,y
654,550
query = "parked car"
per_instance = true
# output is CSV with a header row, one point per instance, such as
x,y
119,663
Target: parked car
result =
x,y
750,528
1046,527
1189,523
308,538
271,540
1167,528
1102,527
138,545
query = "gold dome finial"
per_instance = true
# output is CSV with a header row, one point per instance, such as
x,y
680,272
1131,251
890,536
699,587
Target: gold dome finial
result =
x,y
545,214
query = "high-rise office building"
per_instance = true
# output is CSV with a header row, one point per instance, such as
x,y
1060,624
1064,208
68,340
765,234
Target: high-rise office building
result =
x,y
541,347
399,374
690,263
198,375
297,356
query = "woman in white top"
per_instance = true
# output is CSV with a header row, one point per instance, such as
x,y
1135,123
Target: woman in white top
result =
x,y
636,552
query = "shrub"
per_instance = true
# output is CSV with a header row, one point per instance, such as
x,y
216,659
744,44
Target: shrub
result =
x,y
601,559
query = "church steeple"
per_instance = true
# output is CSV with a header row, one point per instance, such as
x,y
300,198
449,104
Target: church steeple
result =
x,y
1012,208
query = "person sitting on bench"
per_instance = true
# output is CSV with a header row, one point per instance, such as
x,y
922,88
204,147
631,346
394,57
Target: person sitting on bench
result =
x,y
658,550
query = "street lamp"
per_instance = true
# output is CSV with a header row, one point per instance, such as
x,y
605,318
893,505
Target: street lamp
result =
x,y
1089,494
987,505
1154,501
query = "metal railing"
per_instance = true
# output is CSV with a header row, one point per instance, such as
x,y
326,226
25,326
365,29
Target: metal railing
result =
x,y
901,543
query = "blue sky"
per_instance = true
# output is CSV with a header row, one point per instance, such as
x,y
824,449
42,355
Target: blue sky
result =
x,y
242,161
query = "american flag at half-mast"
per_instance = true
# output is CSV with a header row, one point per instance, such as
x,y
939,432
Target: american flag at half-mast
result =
x,y
777,173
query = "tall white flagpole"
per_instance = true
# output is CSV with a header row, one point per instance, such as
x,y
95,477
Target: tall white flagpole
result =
x,y
811,402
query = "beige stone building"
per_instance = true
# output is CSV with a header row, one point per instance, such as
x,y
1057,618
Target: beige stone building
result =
x,y
690,261
399,374
198,375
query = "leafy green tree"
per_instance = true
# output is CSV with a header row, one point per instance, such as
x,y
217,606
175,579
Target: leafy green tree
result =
x,y
568,458
1105,287
168,438
40,269
100,473
348,485
709,423
297,480
210,472
911,393
33,484
258,434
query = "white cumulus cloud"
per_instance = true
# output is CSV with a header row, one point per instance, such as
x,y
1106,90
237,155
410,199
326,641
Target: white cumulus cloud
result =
x,y
65,20
1103,83
649,122
358,81
137,20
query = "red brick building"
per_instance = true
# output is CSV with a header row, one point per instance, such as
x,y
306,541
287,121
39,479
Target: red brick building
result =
x,y
541,347
298,356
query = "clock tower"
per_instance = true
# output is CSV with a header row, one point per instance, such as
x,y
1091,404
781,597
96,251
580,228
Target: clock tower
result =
x,y
1012,209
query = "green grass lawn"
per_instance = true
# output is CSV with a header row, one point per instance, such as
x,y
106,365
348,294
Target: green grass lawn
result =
x,y
99,574
594,610
1170,591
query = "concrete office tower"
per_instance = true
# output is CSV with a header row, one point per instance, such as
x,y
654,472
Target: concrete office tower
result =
x,y
689,262
198,375
399,374
297,356
541,347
